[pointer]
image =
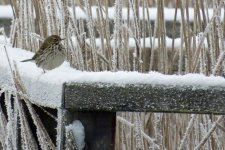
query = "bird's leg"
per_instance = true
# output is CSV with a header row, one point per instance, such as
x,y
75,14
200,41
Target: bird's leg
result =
x,y
44,71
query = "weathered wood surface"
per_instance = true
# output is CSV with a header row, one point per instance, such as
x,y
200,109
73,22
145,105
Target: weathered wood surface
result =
x,y
143,97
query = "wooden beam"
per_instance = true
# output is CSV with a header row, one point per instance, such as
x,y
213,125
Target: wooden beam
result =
x,y
96,104
144,97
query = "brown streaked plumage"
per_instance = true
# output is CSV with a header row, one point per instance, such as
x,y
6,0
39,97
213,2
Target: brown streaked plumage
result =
x,y
50,55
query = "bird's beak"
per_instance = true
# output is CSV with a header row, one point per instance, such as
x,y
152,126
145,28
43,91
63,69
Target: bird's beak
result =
x,y
62,39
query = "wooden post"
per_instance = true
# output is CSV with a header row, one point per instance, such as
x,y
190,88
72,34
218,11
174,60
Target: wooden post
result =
x,y
96,104
99,126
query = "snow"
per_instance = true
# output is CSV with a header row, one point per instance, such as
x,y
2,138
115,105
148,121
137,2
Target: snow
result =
x,y
6,12
46,88
168,43
132,43
78,132
3,39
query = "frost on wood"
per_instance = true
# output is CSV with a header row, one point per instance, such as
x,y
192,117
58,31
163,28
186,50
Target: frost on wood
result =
x,y
144,97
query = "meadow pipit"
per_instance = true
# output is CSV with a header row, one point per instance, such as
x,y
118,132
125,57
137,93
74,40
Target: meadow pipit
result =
x,y
50,55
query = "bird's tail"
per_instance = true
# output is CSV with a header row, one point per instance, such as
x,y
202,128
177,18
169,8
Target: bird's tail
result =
x,y
27,60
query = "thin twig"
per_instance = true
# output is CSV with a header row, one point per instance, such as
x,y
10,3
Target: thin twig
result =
x,y
213,128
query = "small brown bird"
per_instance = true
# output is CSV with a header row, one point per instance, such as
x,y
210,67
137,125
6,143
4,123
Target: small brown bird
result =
x,y
50,55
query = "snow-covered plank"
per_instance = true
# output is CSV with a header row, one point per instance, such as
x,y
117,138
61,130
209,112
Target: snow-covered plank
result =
x,y
40,89
176,93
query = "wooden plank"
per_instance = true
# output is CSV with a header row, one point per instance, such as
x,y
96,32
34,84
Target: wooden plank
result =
x,y
144,97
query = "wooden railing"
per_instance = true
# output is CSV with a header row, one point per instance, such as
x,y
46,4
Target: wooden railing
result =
x,y
96,104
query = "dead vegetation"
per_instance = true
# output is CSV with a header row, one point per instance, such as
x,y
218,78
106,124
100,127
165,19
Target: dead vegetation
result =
x,y
201,50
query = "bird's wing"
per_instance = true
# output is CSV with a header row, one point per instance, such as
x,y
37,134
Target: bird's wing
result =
x,y
40,51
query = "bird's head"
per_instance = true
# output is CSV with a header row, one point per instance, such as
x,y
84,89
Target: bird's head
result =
x,y
53,39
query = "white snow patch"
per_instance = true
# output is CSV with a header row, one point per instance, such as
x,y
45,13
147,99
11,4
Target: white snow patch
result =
x,y
169,13
78,132
132,43
6,12
4,40
46,89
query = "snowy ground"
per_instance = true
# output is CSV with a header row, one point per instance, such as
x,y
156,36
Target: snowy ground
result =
x,y
6,12
46,89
